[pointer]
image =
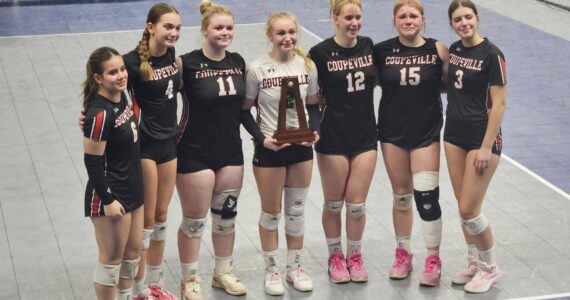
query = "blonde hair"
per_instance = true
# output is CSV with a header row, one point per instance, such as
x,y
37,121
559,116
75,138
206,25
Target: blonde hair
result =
x,y
143,49
95,66
209,9
287,15
417,4
337,5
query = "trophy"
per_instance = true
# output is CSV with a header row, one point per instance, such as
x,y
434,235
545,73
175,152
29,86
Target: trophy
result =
x,y
291,98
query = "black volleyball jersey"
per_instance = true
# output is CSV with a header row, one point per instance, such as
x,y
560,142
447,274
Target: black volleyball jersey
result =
x,y
472,70
347,78
213,93
410,112
156,97
116,123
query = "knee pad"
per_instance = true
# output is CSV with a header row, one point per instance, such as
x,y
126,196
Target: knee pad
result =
x,y
159,232
294,209
224,203
107,275
269,221
476,225
333,206
403,202
356,210
222,226
224,211
193,228
129,268
146,238
426,194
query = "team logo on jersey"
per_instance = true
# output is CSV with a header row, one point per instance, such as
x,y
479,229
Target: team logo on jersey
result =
x,y
458,49
116,110
396,50
203,65
272,69
334,53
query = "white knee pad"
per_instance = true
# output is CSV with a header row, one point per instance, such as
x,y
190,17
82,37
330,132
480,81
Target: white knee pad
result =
x,y
333,206
107,275
476,225
222,226
193,228
146,238
425,180
269,221
224,203
431,231
294,209
224,211
129,268
159,232
356,210
403,202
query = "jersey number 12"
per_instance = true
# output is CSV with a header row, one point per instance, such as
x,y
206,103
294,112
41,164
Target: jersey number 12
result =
x,y
358,81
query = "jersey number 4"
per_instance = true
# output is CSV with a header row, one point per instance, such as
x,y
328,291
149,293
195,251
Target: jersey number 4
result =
x,y
410,76
223,91
358,80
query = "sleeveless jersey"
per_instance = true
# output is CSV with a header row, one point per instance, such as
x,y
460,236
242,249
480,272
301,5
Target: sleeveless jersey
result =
x,y
212,94
410,112
347,78
472,70
156,97
264,84
115,123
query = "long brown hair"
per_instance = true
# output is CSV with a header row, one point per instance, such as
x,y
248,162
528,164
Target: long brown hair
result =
x,y
95,66
461,3
154,14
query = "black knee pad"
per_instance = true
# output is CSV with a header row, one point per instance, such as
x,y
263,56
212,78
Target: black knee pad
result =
x,y
427,204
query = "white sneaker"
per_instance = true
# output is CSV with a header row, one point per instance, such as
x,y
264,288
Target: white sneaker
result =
x,y
484,279
229,282
464,275
300,280
273,284
191,289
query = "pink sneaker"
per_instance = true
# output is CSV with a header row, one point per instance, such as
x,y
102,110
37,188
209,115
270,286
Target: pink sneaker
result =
x,y
484,279
402,265
432,272
159,293
337,268
356,268
464,275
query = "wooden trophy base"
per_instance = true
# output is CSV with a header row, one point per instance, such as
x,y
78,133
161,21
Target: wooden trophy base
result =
x,y
294,135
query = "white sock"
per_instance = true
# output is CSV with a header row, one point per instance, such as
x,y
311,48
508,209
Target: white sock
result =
x,y
353,247
270,259
334,245
223,264
154,274
189,270
472,251
140,288
124,294
293,258
433,252
488,257
404,242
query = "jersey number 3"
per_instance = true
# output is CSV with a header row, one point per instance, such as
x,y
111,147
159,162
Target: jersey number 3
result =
x,y
358,84
459,81
231,86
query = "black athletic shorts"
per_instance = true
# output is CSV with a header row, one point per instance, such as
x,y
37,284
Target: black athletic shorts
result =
x,y
191,162
160,151
470,137
293,154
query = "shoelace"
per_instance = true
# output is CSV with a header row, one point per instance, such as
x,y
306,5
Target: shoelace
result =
x,y
355,261
431,264
229,276
401,257
274,277
336,261
300,274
